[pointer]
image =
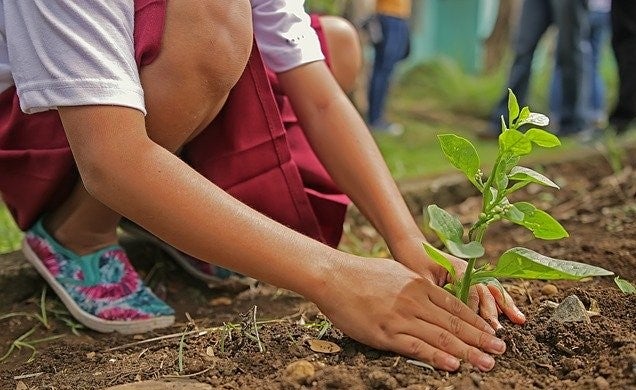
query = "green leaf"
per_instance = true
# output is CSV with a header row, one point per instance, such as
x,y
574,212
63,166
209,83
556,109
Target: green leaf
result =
x,y
450,230
472,250
513,106
527,175
440,259
515,142
500,179
514,215
446,225
526,264
540,223
543,138
500,171
523,116
462,154
537,119
625,286
490,196
509,161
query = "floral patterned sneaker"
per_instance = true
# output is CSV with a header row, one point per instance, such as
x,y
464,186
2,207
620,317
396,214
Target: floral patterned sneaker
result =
x,y
101,290
209,273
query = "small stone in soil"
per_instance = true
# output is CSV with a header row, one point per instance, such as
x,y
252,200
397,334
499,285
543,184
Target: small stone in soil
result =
x,y
601,383
571,310
549,290
300,372
382,380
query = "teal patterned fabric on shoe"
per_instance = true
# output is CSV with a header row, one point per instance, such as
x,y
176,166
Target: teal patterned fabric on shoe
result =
x,y
103,284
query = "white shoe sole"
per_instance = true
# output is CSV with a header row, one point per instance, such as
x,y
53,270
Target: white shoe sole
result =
x,y
87,319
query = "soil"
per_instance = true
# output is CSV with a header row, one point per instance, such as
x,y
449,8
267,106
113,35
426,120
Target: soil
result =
x,y
597,207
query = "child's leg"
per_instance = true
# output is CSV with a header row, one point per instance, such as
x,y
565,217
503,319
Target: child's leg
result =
x,y
185,87
345,53
204,50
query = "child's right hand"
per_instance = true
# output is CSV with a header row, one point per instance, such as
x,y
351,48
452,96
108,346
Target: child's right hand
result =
x,y
387,306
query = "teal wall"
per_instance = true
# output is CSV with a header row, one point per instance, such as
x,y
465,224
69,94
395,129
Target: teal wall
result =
x,y
452,28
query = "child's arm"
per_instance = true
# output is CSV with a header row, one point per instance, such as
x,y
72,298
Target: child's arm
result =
x,y
375,301
344,145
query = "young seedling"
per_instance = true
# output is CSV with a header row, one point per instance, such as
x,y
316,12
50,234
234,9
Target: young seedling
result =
x,y
249,327
505,178
625,286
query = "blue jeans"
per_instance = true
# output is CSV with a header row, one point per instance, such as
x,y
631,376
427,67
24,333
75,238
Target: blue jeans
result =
x,y
393,47
594,88
570,17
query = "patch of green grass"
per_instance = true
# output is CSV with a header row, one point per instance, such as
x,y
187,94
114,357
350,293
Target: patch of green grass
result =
x,y
442,85
416,153
10,235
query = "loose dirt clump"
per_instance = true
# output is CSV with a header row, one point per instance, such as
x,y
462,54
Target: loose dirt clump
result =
x,y
596,206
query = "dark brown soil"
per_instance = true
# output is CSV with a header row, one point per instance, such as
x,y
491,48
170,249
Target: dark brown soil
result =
x,y
597,207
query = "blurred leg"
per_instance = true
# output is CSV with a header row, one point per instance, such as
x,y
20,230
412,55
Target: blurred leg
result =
x,y
536,17
624,45
571,18
344,50
388,53
599,28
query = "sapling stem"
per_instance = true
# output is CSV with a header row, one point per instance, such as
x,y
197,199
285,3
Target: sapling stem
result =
x,y
463,293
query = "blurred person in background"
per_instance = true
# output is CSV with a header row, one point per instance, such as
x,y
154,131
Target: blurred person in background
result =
x,y
571,19
390,35
624,44
594,87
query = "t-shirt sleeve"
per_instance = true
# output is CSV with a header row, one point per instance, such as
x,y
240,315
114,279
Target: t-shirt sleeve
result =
x,y
284,34
68,53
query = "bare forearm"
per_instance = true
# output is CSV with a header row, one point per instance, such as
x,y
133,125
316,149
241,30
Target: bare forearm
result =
x,y
154,188
344,145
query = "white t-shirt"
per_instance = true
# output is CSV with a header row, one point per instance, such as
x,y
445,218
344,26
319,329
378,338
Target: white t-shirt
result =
x,y
67,53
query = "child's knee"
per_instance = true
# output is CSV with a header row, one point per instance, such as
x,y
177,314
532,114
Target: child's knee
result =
x,y
344,50
205,48
219,39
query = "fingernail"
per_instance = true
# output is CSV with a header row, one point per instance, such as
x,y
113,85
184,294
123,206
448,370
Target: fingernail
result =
x,y
451,363
495,324
520,314
486,363
498,346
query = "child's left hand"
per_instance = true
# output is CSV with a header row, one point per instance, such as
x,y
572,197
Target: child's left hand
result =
x,y
487,300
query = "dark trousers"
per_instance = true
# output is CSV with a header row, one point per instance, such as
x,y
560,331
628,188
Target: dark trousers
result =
x,y
624,45
570,17
393,48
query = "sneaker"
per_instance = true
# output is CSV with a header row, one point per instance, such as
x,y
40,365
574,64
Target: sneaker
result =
x,y
211,274
591,135
394,129
101,290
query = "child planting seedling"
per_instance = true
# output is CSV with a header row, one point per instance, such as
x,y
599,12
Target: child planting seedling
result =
x,y
505,178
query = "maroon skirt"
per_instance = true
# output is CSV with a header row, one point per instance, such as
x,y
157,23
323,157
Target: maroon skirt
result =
x,y
255,149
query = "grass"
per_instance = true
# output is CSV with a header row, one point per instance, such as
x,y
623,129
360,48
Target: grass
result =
x,y
42,324
10,235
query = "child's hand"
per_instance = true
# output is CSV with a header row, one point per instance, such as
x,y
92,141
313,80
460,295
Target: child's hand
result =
x,y
488,300
385,305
